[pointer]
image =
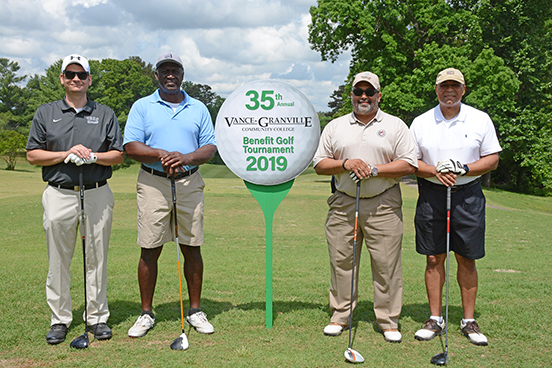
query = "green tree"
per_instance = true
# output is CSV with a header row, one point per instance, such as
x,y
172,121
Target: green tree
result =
x,y
12,100
408,42
12,145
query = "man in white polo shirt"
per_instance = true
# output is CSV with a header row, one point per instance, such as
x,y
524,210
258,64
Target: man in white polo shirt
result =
x,y
455,144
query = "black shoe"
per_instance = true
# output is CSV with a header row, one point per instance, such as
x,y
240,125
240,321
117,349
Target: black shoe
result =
x,y
100,331
57,334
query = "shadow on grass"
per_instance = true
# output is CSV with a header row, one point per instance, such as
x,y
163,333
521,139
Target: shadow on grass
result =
x,y
122,310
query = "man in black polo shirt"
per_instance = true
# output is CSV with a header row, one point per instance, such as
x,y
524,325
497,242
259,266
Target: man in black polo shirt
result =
x,y
68,137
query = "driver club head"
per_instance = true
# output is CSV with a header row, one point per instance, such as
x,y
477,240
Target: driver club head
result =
x,y
80,342
440,359
180,343
353,356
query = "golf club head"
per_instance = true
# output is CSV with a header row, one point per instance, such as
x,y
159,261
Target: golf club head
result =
x,y
180,343
80,342
440,359
353,356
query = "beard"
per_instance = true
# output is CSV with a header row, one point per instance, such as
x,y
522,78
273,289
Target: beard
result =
x,y
364,110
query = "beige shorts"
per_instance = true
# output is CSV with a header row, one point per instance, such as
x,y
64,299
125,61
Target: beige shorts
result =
x,y
155,210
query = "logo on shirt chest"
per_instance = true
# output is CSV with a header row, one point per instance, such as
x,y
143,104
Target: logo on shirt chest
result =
x,y
92,119
381,133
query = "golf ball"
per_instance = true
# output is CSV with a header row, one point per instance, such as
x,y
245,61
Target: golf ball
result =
x,y
267,132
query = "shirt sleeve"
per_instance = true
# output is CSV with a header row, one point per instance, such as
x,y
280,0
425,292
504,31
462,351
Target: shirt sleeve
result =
x,y
207,131
490,143
37,134
134,128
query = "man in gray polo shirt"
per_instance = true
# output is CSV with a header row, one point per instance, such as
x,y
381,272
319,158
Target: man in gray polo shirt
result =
x,y
68,137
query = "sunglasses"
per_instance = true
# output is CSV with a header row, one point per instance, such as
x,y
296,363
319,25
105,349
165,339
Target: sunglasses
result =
x,y
70,75
369,92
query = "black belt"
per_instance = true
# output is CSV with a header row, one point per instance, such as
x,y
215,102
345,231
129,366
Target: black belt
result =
x,y
443,188
164,174
76,188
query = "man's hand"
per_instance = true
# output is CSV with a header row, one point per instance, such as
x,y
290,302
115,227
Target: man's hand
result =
x,y
455,167
80,161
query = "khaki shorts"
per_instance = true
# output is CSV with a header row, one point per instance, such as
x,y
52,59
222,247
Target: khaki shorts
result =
x,y
155,210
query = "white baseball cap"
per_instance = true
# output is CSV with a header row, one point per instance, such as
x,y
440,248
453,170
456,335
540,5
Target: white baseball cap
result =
x,y
75,59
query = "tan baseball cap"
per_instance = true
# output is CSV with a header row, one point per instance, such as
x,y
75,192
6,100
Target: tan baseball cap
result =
x,y
450,74
367,77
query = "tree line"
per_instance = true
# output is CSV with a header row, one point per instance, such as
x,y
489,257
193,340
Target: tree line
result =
x,y
115,83
503,48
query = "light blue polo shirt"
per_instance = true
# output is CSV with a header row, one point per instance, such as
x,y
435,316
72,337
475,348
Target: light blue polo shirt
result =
x,y
153,122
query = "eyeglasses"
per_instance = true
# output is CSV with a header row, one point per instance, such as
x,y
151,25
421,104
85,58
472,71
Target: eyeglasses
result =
x,y
70,75
369,92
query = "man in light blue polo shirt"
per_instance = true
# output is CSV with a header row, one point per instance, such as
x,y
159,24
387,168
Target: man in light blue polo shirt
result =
x,y
170,133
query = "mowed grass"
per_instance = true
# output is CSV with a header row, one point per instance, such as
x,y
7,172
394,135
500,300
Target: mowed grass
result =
x,y
514,306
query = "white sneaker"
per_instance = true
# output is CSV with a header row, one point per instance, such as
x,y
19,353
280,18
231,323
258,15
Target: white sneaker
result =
x,y
333,330
392,336
471,331
199,322
431,329
142,326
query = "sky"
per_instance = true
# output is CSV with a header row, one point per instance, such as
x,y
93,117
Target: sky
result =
x,y
224,44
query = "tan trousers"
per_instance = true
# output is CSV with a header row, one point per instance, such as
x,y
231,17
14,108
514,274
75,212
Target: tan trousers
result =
x,y
62,216
380,226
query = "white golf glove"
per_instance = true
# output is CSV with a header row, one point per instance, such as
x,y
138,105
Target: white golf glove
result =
x,y
80,161
452,166
89,160
354,177
71,157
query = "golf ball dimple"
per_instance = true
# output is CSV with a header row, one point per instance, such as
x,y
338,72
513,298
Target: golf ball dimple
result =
x,y
267,132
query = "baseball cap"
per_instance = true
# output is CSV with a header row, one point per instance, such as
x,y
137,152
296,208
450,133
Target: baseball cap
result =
x,y
169,57
450,74
367,77
75,59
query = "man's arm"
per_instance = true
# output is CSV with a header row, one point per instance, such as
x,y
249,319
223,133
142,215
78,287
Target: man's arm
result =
x,y
477,168
109,158
142,153
395,169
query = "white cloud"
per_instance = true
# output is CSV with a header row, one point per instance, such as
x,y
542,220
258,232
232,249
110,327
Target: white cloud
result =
x,y
222,43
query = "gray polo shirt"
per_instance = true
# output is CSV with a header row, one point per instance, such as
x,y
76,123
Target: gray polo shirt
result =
x,y
57,126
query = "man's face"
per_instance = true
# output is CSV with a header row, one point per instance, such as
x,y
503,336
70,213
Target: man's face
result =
x,y
450,93
170,77
75,84
365,105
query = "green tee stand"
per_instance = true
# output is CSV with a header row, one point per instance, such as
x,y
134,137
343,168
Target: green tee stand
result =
x,y
269,198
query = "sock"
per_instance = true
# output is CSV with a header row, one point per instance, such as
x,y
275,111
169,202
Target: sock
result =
x,y
193,311
437,318
149,313
465,321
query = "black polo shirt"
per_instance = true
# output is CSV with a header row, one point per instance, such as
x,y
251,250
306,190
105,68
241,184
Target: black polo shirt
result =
x,y
57,126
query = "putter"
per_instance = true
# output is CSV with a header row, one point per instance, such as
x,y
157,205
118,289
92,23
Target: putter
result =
x,y
81,342
442,358
351,355
181,342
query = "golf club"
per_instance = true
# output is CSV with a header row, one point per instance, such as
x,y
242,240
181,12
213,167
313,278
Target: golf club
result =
x,y
181,342
442,358
81,342
351,355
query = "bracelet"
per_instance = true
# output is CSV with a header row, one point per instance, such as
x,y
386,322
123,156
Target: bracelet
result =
x,y
343,164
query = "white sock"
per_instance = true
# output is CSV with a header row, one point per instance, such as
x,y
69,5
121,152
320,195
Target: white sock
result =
x,y
465,321
437,318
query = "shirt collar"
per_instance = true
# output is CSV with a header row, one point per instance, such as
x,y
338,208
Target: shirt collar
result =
x,y
378,118
90,105
461,117
157,98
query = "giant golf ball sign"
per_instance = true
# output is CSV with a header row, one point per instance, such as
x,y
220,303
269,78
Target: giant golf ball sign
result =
x,y
267,132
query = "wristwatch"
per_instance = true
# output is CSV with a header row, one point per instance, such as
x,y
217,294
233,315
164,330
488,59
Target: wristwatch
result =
x,y
374,171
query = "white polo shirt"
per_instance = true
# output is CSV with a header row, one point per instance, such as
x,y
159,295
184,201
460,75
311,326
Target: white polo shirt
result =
x,y
467,137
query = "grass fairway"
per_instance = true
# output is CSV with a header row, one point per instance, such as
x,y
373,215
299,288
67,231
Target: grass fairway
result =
x,y
514,307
